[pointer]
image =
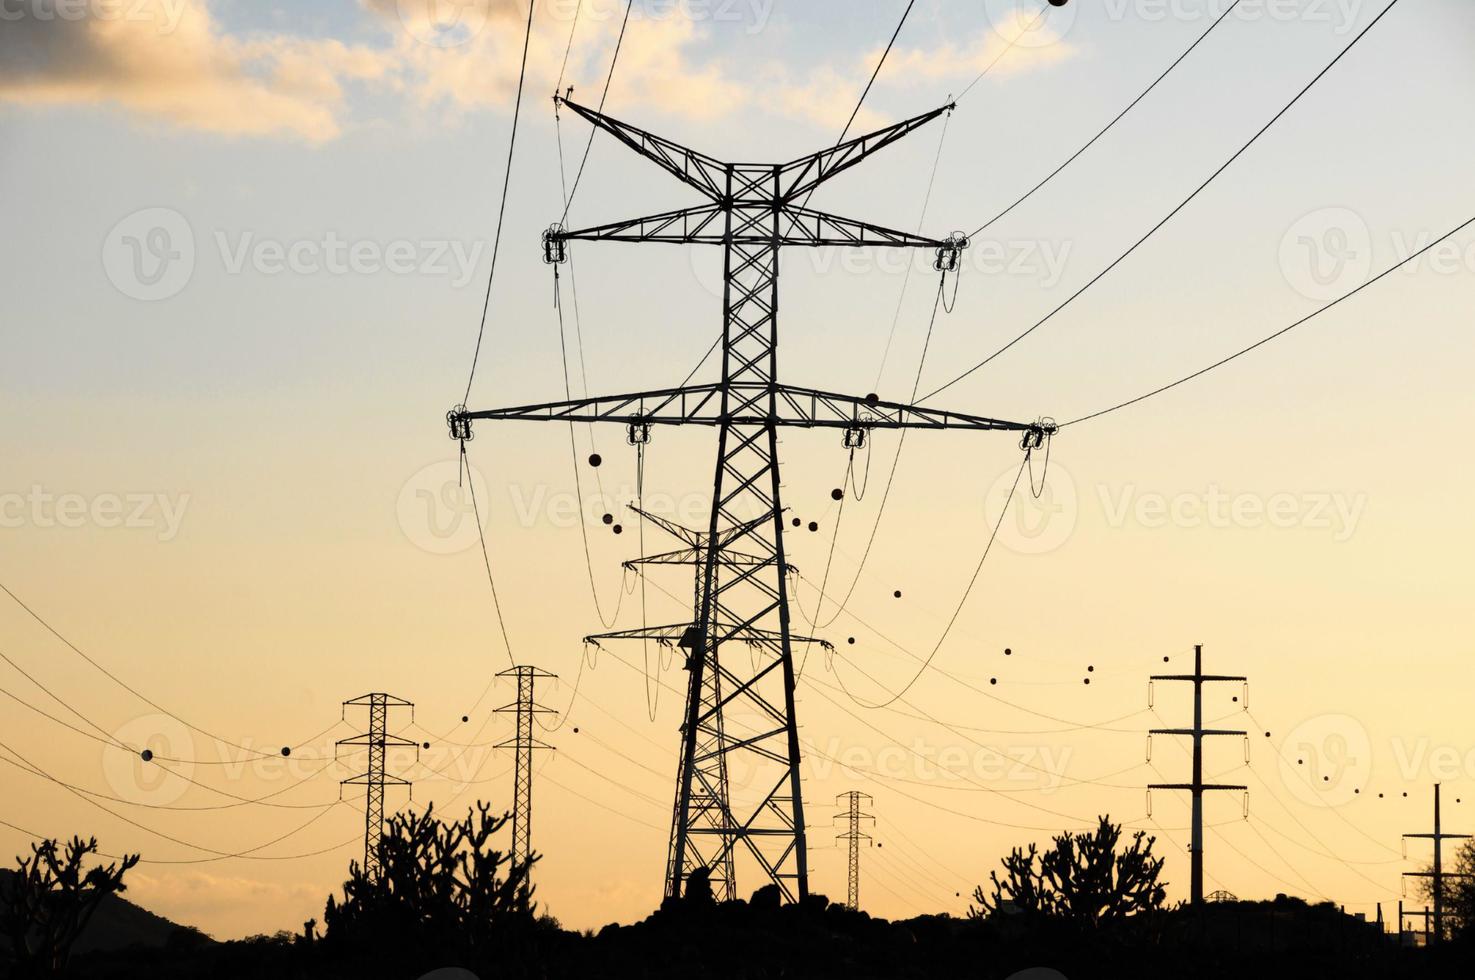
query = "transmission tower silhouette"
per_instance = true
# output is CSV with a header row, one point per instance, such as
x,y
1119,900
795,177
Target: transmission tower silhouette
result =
x,y
854,800
1197,787
710,815
1437,874
525,744
753,212
374,778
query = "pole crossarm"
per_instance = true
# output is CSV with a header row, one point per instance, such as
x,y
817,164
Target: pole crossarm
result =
x,y
702,405
1190,677
1440,836
1194,731
1201,786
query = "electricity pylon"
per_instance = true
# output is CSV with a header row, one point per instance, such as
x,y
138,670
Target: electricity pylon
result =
x,y
853,836
752,211
1437,874
378,741
525,744
709,797
1197,787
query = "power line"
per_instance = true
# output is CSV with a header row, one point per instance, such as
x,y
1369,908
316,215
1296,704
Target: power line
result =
x,y
502,207
1279,333
579,175
1116,119
1171,214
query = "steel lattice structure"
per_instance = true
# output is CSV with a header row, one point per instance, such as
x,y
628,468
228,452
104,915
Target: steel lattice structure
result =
x,y
525,744
853,835
374,778
752,212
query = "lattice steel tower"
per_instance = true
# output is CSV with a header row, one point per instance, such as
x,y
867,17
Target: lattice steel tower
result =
x,y
853,835
525,708
374,778
752,212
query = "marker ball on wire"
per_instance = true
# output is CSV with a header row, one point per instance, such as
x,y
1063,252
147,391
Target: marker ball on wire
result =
x,y
595,459
837,494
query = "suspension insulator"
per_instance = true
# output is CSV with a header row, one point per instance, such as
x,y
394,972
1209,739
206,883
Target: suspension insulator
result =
x,y
949,255
855,437
637,432
555,248
459,424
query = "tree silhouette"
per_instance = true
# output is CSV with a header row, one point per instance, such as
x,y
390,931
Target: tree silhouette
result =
x,y
45,906
442,885
1082,879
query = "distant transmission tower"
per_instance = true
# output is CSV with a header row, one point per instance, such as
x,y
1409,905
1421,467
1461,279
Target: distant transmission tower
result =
x,y
378,741
854,800
711,790
525,708
1197,787
1438,874
752,211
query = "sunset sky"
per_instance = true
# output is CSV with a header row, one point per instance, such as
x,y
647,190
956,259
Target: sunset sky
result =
x,y
246,247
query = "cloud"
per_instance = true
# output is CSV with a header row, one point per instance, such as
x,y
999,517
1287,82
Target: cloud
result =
x,y
222,904
167,59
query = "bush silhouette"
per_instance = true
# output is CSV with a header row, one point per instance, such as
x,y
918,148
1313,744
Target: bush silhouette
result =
x,y
45,906
1082,879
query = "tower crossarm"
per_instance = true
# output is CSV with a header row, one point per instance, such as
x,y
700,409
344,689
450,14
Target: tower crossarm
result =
x,y
676,632
794,406
698,170
705,224
798,177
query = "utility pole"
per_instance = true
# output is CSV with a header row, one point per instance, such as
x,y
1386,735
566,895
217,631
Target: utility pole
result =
x,y
1197,787
525,708
752,211
374,778
854,800
1438,874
